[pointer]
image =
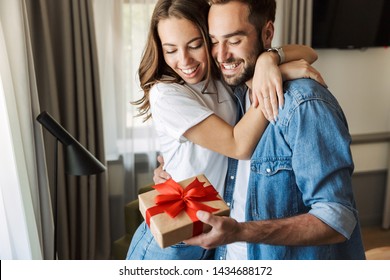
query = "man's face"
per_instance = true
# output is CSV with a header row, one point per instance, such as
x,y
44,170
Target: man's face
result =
x,y
235,42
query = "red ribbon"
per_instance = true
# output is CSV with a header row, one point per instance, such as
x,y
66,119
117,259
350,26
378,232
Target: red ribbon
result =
x,y
173,199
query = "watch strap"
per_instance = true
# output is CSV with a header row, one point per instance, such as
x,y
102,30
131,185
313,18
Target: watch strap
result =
x,y
280,52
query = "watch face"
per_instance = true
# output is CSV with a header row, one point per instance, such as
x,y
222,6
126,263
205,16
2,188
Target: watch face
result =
x,y
278,51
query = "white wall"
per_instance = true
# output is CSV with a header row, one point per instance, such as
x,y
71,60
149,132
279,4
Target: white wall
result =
x,y
360,79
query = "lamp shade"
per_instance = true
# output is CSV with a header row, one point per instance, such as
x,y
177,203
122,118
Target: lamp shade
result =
x,y
78,160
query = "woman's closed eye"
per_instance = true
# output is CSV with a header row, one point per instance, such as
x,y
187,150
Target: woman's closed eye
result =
x,y
196,46
170,51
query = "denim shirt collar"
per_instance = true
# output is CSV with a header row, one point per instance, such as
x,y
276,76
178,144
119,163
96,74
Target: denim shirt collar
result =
x,y
239,93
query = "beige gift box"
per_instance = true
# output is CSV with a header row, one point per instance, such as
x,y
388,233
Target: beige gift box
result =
x,y
167,230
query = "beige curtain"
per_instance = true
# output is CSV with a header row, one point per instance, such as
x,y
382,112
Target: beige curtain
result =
x,y
26,230
65,61
293,22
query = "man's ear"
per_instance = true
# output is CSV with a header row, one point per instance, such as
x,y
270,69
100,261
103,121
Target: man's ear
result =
x,y
268,34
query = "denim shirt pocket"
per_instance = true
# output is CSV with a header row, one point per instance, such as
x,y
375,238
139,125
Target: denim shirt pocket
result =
x,y
273,192
269,166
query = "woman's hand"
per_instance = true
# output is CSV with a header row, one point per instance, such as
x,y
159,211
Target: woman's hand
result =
x,y
300,69
267,85
159,175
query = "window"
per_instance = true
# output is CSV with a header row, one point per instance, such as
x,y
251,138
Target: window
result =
x,y
136,18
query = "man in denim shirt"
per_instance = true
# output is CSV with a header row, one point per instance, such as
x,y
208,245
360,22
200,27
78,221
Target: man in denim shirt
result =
x,y
298,201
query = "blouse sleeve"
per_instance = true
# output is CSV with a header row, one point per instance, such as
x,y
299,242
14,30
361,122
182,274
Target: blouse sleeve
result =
x,y
175,109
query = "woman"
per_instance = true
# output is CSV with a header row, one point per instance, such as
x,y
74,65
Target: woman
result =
x,y
193,110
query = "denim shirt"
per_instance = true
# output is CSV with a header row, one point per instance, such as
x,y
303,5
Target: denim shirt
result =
x,y
302,164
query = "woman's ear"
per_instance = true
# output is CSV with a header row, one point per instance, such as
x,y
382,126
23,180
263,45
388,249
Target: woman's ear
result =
x,y
268,34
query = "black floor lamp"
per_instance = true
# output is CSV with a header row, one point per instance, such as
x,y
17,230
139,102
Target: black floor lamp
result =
x,y
78,160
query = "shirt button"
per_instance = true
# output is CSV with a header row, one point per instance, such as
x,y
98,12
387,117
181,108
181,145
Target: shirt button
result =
x,y
268,170
221,258
231,177
228,203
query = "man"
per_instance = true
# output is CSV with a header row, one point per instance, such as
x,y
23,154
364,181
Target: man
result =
x,y
298,201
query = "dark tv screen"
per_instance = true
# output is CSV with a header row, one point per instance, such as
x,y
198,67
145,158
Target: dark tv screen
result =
x,y
350,24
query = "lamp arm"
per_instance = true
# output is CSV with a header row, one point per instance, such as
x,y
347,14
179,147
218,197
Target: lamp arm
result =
x,y
55,128
79,161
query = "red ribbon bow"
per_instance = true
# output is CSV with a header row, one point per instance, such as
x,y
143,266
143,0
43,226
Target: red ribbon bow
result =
x,y
173,199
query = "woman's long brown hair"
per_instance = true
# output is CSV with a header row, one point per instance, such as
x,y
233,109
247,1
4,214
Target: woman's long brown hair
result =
x,y
153,68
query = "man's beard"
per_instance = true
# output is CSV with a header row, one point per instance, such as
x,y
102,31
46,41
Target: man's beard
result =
x,y
248,70
246,75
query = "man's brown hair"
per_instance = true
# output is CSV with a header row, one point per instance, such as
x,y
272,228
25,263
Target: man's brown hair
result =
x,y
260,11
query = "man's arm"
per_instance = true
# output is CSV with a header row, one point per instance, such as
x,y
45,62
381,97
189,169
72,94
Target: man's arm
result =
x,y
301,230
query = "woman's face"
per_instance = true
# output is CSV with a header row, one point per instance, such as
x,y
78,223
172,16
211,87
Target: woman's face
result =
x,y
183,48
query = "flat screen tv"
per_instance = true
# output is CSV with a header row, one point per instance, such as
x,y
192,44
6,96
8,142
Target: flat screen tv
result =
x,y
350,24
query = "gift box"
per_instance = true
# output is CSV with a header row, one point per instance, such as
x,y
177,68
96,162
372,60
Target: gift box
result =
x,y
170,209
